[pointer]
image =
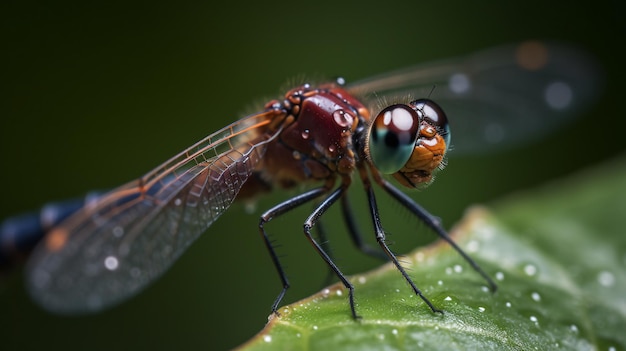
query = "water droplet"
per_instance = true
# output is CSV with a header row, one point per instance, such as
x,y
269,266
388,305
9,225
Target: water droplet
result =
x,y
459,83
458,268
558,95
573,328
339,292
448,298
267,338
473,246
534,319
606,279
343,119
507,304
305,134
118,231
499,276
535,296
362,279
530,270
481,309
177,202
315,327
439,282
325,292
394,331
111,263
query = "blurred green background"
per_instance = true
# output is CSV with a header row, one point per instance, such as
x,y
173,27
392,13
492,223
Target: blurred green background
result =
x,y
95,94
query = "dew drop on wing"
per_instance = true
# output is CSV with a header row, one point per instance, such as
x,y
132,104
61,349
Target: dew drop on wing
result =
x,y
558,95
118,231
111,263
459,83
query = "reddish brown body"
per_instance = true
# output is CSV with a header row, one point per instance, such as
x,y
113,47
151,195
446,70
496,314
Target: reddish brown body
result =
x,y
316,142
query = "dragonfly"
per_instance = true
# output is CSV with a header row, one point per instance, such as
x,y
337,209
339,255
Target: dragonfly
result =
x,y
95,253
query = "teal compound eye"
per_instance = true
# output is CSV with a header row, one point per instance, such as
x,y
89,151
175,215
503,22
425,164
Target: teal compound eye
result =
x,y
392,137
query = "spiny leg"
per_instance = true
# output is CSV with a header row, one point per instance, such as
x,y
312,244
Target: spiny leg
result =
x,y
355,236
380,237
310,222
324,243
435,224
271,214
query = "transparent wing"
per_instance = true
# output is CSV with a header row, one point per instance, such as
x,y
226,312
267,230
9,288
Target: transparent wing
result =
x,y
114,246
498,97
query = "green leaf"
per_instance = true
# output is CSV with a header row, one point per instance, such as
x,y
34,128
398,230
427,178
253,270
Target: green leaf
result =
x,y
558,255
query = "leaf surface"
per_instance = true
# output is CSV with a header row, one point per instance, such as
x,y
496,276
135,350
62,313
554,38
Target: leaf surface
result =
x,y
558,254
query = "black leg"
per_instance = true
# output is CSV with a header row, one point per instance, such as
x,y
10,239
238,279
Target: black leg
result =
x,y
323,240
435,224
355,234
310,222
277,211
380,237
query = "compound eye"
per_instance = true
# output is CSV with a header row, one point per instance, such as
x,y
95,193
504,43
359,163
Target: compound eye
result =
x,y
434,115
392,137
